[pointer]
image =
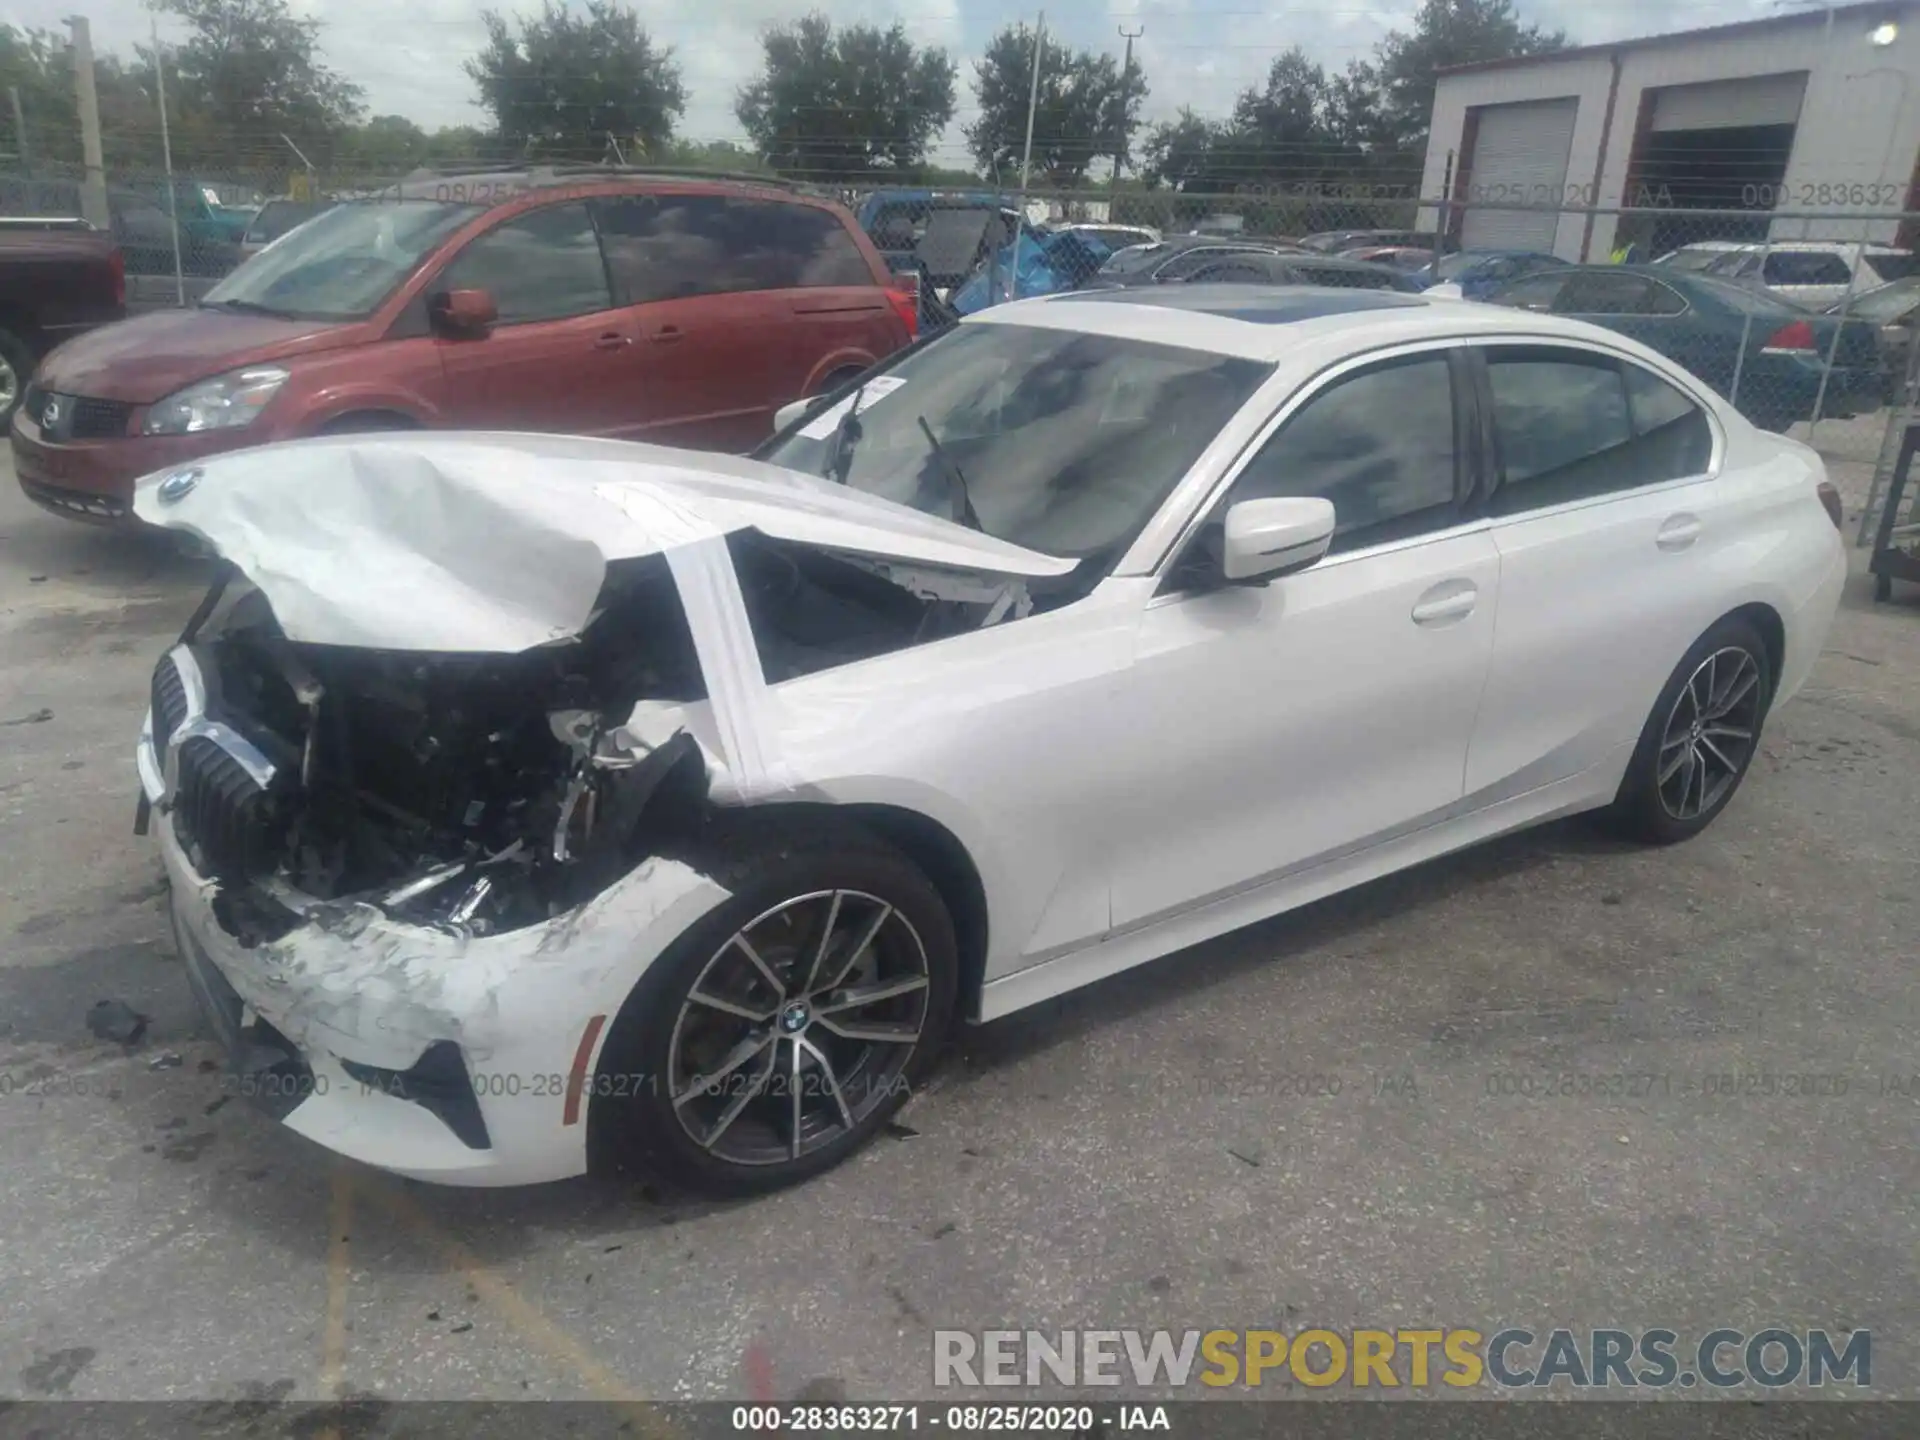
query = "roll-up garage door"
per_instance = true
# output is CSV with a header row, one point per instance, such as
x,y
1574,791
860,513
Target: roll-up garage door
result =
x,y
1519,154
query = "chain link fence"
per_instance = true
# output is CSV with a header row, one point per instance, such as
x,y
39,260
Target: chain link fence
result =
x,y
1804,320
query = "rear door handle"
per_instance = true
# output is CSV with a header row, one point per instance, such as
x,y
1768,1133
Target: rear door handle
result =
x,y
1678,532
666,334
612,340
1449,600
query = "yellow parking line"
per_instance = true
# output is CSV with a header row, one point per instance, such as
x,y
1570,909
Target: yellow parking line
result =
x,y
333,1344
525,1317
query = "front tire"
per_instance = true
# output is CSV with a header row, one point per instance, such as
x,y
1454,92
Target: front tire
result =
x,y
1700,739
16,368
782,1030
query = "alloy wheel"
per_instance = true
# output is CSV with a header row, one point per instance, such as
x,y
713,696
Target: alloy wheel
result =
x,y
1710,734
798,1028
9,386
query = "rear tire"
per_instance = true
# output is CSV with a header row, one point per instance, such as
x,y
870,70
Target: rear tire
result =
x,y
1701,738
784,1077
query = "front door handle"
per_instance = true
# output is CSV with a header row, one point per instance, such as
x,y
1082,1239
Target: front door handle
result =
x,y
666,334
1678,532
1448,601
612,340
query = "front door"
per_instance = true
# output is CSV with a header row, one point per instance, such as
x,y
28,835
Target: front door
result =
x,y
1269,728
560,357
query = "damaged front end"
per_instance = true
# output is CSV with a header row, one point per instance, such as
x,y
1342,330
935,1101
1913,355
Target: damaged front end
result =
x,y
482,793
474,793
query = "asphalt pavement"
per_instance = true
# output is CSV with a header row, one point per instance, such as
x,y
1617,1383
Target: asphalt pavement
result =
x,y
1342,1117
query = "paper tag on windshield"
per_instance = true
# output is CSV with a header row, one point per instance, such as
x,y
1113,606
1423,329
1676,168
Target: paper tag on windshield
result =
x,y
825,423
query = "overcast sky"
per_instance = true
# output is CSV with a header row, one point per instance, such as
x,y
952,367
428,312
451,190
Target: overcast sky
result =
x,y
408,55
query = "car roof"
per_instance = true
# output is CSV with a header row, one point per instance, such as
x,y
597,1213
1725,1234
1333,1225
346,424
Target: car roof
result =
x,y
1825,247
505,185
1276,323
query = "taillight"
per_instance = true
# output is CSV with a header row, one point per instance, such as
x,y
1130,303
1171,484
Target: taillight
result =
x,y
1797,336
1830,497
119,266
904,296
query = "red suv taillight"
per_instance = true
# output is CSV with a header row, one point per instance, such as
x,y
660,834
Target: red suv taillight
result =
x,y
1830,497
119,264
904,296
1797,336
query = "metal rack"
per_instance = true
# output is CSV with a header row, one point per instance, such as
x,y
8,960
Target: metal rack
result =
x,y
1896,549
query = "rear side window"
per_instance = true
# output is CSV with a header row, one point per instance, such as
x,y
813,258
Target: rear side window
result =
x,y
1347,279
1536,292
1379,444
1897,266
1805,267
544,265
1598,293
1574,425
669,247
1235,271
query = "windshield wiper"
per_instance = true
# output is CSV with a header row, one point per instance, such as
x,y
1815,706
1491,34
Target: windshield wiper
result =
x,y
247,307
846,435
963,511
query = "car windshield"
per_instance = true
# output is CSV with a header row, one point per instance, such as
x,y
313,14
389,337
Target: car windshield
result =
x,y
1882,306
277,217
1691,259
1067,442
1452,265
342,265
1135,259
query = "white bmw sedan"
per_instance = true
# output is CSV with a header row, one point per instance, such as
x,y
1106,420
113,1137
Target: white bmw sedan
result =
x,y
533,804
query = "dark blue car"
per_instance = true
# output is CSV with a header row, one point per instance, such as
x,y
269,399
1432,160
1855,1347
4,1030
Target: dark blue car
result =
x,y
1765,354
1478,273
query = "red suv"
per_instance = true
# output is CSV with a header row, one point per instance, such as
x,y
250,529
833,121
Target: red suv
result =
x,y
675,311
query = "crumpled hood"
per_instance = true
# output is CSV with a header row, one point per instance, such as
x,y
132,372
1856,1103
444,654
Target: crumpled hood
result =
x,y
495,543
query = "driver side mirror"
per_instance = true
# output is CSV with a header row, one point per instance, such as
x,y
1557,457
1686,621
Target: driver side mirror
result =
x,y
1265,539
790,412
463,313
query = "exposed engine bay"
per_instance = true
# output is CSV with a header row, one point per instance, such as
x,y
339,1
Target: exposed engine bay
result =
x,y
487,792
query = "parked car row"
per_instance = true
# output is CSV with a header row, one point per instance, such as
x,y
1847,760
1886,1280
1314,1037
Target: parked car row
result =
x,y
680,312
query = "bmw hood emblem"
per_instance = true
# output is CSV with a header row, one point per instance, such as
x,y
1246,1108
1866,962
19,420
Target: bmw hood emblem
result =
x,y
179,485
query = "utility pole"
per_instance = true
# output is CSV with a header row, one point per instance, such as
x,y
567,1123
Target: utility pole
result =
x,y
166,154
93,190
1126,79
1026,155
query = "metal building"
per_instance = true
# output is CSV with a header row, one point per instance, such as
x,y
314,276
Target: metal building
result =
x,y
1805,110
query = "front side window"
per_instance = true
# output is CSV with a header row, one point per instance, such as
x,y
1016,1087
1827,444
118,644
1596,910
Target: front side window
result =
x,y
544,265
1573,425
344,264
1062,442
1379,444
1182,267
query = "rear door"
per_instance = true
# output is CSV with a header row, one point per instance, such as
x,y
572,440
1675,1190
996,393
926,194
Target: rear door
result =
x,y
737,300
560,357
1611,539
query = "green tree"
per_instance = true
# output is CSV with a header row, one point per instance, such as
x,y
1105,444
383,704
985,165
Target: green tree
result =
x,y
570,82
1447,33
712,155
838,105
1187,152
1086,109
385,145
250,72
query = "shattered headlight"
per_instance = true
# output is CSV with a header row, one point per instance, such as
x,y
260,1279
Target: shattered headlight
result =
x,y
225,402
